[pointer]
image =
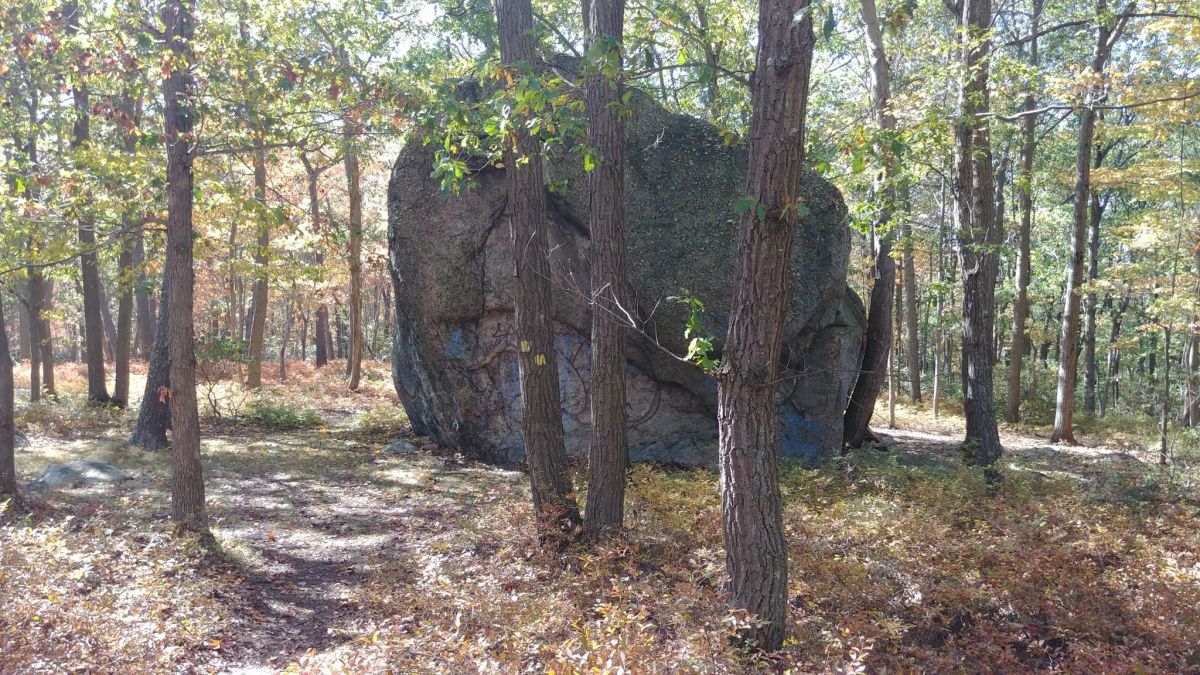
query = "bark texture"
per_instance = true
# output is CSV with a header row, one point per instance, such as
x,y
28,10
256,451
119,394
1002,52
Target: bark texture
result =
x,y
1068,365
141,296
755,550
609,455
1091,374
8,466
856,423
350,130
978,234
259,299
1020,339
187,480
154,414
553,497
88,267
321,338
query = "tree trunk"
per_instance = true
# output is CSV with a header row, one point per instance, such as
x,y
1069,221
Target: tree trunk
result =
x,y
1064,409
124,324
1090,368
303,335
8,464
154,414
911,333
1020,339
553,496
338,348
258,321
1112,380
110,326
353,186
46,345
37,285
755,550
893,361
141,296
1192,403
321,339
610,301
1166,397
126,280
876,357
187,480
287,336
22,331
978,234
234,307
88,268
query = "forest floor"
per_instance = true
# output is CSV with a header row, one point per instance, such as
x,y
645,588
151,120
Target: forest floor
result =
x,y
334,557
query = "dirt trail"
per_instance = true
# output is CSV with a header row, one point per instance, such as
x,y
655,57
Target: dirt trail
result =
x,y
305,519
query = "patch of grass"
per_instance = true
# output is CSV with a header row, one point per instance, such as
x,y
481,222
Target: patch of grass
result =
x,y
281,415
69,415
383,417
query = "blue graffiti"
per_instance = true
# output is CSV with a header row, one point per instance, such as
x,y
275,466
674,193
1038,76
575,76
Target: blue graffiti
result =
x,y
456,346
798,435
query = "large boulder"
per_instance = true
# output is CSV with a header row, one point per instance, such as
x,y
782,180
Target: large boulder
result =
x,y
454,359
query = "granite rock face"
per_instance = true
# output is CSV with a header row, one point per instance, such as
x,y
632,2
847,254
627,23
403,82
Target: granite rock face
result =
x,y
454,357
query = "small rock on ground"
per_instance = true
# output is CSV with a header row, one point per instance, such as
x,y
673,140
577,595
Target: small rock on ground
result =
x,y
76,474
400,446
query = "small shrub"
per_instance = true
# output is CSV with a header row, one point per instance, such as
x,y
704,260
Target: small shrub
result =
x,y
281,415
378,419
217,360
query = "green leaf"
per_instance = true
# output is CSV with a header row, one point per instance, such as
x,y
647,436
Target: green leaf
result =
x,y
743,205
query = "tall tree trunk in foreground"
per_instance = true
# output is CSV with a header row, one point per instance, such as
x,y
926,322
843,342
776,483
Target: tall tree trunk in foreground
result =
x,y
755,550
978,233
187,480
857,419
1020,337
154,415
606,218
1068,365
541,423
88,268
8,466
350,129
